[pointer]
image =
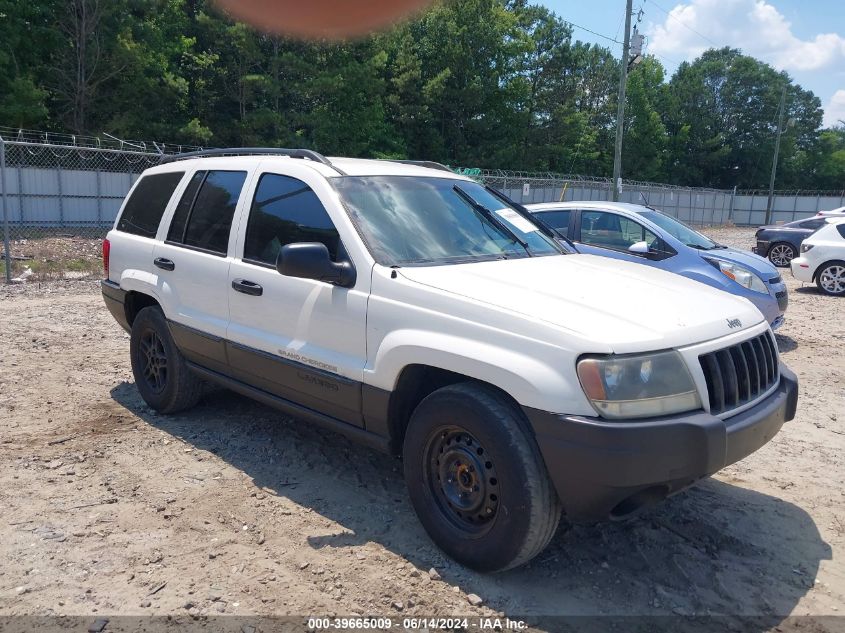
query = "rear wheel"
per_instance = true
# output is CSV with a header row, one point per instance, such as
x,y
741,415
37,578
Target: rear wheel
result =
x,y
163,378
476,478
781,254
831,278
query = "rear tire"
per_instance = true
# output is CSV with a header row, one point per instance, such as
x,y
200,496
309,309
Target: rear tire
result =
x,y
830,278
781,253
161,374
477,480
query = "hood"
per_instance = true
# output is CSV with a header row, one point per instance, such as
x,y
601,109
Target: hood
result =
x,y
628,306
755,263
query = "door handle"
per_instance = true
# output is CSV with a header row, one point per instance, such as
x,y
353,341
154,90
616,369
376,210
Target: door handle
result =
x,y
164,264
247,287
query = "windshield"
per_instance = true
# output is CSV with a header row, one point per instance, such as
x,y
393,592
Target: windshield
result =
x,y
680,231
407,220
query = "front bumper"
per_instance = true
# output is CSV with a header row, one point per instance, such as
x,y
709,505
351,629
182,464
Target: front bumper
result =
x,y
604,469
801,269
762,248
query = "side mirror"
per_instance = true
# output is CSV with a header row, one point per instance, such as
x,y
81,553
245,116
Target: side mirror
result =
x,y
639,247
310,260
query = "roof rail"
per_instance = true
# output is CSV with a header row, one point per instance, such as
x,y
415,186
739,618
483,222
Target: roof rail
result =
x,y
307,154
423,163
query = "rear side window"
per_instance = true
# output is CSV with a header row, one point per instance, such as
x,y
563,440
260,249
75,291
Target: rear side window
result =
x,y
812,224
841,229
558,220
284,211
144,208
203,217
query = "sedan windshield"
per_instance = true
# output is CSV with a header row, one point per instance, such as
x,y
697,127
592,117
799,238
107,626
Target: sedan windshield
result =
x,y
680,231
406,220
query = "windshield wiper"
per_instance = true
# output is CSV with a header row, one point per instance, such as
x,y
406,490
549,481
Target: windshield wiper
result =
x,y
700,247
546,229
491,217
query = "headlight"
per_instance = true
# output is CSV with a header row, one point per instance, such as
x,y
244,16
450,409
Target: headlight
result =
x,y
740,275
806,247
638,386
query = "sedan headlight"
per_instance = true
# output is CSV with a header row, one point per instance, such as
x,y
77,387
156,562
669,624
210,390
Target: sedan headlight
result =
x,y
638,386
740,275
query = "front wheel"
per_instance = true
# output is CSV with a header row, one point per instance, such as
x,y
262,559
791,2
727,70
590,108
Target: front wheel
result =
x,y
477,480
781,254
831,278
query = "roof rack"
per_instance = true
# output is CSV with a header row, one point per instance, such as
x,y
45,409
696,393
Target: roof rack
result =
x,y
307,154
424,163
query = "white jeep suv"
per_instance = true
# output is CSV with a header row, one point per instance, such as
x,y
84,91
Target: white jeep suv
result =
x,y
421,313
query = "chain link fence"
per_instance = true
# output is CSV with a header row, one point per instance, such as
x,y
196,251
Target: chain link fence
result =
x,y
60,194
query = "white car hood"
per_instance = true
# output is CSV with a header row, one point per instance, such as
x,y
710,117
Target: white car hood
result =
x,y
627,306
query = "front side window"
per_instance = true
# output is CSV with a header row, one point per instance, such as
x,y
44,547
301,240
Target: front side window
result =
x,y
610,230
144,208
284,211
203,217
406,220
680,231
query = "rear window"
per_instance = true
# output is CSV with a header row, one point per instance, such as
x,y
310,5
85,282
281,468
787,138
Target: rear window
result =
x,y
145,206
203,217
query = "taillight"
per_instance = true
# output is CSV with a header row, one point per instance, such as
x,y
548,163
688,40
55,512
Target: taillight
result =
x,y
106,252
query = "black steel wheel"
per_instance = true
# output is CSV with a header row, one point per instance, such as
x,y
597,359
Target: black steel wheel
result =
x,y
463,480
476,478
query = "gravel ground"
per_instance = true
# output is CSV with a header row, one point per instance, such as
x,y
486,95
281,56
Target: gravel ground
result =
x,y
232,508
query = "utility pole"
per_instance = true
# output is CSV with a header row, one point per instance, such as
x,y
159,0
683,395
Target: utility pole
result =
x,y
775,157
620,110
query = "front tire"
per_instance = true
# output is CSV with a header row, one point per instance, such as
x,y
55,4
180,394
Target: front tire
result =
x,y
781,253
830,278
161,374
477,480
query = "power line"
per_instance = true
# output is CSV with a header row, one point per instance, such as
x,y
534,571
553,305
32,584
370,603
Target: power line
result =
x,y
584,28
701,35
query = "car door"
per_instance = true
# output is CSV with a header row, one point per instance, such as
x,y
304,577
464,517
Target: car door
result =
x,y
193,264
609,234
300,339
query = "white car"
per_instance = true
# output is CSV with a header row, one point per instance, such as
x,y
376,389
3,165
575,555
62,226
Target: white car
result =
x,y
418,312
823,259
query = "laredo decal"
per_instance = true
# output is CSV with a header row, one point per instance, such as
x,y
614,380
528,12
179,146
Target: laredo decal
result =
x,y
316,380
734,323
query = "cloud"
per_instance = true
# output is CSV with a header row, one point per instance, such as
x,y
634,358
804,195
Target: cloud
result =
x,y
834,111
754,26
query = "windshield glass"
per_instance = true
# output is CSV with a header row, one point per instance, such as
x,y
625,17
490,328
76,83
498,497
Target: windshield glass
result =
x,y
680,231
407,220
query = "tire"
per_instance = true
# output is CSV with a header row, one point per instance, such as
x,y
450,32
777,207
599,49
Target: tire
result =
x,y
781,253
490,523
830,278
163,378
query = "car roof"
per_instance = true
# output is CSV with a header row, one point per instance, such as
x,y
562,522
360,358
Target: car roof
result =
x,y
349,166
589,204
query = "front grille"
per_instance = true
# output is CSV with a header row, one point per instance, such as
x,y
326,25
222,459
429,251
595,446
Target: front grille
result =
x,y
741,373
783,299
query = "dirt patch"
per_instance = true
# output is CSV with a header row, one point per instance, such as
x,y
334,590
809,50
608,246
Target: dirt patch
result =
x,y
54,258
232,508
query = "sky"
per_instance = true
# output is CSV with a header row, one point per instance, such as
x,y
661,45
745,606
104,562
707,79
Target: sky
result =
x,y
806,38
